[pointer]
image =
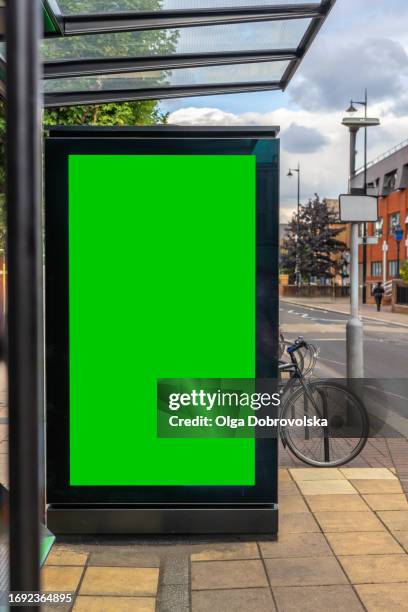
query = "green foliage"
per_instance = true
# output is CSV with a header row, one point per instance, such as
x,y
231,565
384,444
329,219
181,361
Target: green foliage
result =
x,y
317,243
124,113
404,270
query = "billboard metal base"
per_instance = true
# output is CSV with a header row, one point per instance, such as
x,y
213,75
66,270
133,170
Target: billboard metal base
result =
x,y
121,519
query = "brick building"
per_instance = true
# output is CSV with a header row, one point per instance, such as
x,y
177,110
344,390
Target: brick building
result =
x,y
387,176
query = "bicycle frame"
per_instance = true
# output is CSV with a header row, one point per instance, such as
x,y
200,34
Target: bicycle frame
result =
x,y
287,387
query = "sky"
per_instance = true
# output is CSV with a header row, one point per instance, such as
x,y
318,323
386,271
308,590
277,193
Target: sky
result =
x,y
364,43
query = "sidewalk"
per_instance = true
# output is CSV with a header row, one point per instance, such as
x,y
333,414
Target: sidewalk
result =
x,y
342,545
342,306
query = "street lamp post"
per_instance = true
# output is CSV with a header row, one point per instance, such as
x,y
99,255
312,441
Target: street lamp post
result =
x,y
384,271
297,270
398,235
353,110
354,330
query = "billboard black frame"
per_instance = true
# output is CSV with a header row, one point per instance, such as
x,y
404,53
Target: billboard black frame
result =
x,y
102,505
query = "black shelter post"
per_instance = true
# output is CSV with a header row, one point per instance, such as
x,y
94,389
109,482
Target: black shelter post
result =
x,y
25,359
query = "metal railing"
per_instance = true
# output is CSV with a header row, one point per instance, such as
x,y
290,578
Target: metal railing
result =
x,y
402,295
384,155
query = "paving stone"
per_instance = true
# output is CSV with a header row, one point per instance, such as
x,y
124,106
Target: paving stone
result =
x,y
376,568
56,608
125,556
300,474
317,599
287,488
114,604
297,523
348,521
224,552
173,597
120,581
396,520
60,555
387,501
227,574
402,538
296,545
326,487
305,571
368,543
333,503
63,579
175,569
292,504
383,597
377,486
368,474
234,600
284,475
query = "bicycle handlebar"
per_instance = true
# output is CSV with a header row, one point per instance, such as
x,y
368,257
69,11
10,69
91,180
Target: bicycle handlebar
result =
x,y
298,344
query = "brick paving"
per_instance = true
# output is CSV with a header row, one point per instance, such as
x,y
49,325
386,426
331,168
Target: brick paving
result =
x,y
378,452
342,545
335,551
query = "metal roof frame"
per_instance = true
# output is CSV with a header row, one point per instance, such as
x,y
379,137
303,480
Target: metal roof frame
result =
x,y
132,21
98,23
75,68
77,98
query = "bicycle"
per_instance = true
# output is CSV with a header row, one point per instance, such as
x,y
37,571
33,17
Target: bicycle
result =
x,y
306,361
347,428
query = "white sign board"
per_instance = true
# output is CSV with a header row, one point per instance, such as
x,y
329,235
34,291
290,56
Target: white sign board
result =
x,y
358,208
368,240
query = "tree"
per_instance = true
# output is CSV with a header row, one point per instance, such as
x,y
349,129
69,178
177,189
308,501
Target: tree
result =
x,y
404,271
317,243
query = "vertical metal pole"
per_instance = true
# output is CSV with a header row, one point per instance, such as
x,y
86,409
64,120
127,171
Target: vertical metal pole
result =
x,y
385,249
364,279
398,258
25,360
354,329
297,230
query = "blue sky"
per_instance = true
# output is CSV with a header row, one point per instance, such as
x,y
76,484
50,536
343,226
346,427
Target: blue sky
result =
x,y
364,43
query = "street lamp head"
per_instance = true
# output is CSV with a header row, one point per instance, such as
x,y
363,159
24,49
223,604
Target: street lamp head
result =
x,y
351,109
290,173
360,122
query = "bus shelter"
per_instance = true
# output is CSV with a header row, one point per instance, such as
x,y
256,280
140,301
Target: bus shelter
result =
x,y
94,52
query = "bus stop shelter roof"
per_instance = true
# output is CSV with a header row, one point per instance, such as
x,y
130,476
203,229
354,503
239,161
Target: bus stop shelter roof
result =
x,y
99,51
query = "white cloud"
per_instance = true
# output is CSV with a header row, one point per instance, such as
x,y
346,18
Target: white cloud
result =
x,y
323,171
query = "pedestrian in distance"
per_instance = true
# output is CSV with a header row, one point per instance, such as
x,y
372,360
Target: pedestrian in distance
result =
x,y
378,293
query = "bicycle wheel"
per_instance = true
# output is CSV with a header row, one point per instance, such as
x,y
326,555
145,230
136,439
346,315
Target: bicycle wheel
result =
x,y
323,446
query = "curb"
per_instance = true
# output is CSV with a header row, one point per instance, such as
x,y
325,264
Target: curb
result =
x,y
329,309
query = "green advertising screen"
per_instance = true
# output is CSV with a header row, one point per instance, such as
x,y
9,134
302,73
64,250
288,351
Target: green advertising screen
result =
x,y
161,285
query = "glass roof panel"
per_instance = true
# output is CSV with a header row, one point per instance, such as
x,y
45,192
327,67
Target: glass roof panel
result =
x,y
78,7
207,75
265,35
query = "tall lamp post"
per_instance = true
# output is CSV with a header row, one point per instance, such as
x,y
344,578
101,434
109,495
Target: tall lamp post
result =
x,y
398,235
297,271
354,330
352,110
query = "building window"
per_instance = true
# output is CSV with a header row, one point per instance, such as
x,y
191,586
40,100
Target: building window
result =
x,y
376,268
393,267
390,181
393,220
378,227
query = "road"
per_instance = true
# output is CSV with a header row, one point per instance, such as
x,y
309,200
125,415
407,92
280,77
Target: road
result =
x,y
385,357
385,345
